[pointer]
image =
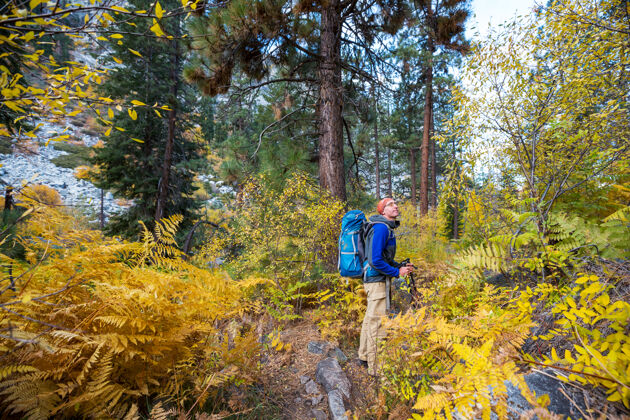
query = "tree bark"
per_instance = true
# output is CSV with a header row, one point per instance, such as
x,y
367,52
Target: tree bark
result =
x,y
456,200
412,155
377,169
102,215
163,186
433,167
8,198
456,217
428,107
389,172
331,173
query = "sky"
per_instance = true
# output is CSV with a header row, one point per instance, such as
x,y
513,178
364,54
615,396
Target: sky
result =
x,y
494,12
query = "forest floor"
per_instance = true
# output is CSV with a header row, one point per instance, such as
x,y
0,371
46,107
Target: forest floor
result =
x,y
284,375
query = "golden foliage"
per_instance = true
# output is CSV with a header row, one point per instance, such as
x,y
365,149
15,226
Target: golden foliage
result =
x,y
286,235
39,194
419,237
595,322
96,326
441,366
341,307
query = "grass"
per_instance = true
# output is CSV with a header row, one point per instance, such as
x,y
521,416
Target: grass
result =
x,y
5,145
77,155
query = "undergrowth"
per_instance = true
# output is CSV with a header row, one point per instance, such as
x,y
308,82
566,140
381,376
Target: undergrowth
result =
x,y
98,327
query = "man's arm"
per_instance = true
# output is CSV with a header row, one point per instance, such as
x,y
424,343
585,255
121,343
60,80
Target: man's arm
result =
x,y
379,242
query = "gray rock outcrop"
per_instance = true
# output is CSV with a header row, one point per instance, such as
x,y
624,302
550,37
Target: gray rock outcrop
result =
x,y
330,375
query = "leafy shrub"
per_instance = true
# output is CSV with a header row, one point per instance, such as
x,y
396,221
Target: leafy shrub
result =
x,y
439,366
39,194
288,236
419,237
341,309
101,328
592,322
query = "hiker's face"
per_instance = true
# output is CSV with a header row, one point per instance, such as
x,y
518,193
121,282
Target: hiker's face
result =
x,y
391,210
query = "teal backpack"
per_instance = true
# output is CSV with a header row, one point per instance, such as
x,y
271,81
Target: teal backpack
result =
x,y
352,244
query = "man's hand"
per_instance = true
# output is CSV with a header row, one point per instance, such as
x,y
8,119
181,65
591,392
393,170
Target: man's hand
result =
x,y
403,271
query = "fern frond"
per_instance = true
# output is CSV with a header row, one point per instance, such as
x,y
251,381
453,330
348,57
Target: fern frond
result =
x,y
158,412
623,215
7,371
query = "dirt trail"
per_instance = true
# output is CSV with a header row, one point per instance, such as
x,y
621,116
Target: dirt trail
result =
x,y
283,375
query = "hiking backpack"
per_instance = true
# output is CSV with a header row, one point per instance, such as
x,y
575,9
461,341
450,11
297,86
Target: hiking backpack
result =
x,y
351,244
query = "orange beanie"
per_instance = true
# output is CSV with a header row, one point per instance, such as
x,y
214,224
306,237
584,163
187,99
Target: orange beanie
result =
x,y
380,207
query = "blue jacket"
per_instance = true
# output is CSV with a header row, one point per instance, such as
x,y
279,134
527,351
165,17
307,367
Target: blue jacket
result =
x,y
381,250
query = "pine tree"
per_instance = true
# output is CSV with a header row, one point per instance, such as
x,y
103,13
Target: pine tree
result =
x,y
151,161
303,43
444,22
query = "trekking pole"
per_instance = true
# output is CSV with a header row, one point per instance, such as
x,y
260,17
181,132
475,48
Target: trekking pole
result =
x,y
414,290
412,283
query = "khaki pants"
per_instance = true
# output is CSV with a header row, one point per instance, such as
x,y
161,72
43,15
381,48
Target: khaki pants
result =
x,y
371,331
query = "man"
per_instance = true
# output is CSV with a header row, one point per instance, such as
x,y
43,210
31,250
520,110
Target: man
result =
x,y
381,267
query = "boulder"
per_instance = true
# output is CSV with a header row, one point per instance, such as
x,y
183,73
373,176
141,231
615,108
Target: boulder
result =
x,y
544,383
318,415
338,354
311,388
335,404
330,375
317,347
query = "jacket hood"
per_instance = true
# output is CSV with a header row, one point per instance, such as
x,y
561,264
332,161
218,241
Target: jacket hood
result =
x,y
378,218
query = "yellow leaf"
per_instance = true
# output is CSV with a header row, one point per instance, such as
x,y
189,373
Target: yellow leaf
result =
x,y
120,9
34,3
615,396
135,52
158,113
28,36
138,140
108,132
120,129
116,36
137,102
117,60
110,113
159,12
156,29
13,106
133,114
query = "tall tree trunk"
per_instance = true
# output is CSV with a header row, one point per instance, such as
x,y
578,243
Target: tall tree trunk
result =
x,y
456,217
433,167
456,200
8,205
377,170
170,139
389,172
8,198
412,154
428,107
102,215
331,173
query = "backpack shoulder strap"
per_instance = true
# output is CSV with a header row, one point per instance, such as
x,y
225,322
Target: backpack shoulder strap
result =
x,y
390,231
